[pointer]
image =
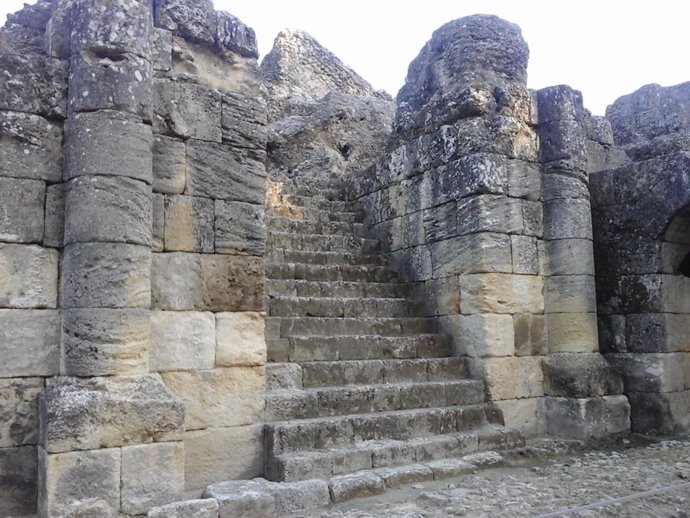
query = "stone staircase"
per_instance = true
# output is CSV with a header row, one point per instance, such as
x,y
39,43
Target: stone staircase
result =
x,y
356,380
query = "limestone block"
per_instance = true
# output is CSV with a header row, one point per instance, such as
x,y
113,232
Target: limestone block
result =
x,y
563,146
657,332
22,212
612,334
240,228
196,21
34,84
489,213
440,222
19,473
482,335
526,415
188,224
221,172
54,216
575,418
501,293
570,294
559,103
84,414
617,414
674,292
531,377
30,147
182,340
235,36
569,257
19,411
564,186
572,332
679,406
221,397
28,276
580,375
232,283
530,335
246,498
158,226
169,165
302,495
524,180
187,110
475,253
108,143
650,372
206,508
240,339
97,82
567,219
109,209
152,474
223,454
441,296
29,342
176,282
525,255
106,275
83,483
501,375
161,50
244,120
105,341
650,412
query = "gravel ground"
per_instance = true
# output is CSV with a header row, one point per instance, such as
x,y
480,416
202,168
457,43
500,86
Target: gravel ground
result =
x,y
647,479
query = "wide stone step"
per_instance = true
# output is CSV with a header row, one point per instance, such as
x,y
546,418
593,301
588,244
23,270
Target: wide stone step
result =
x,y
361,399
385,454
330,272
335,327
324,190
303,288
337,307
282,255
303,226
312,214
322,243
324,204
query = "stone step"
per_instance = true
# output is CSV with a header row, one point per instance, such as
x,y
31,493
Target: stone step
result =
x,y
322,190
330,272
363,399
282,255
337,307
371,347
353,216
322,243
324,204
337,327
304,226
303,288
387,455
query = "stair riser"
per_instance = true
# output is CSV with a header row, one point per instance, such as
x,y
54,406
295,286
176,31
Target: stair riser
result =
x,y
374,348
322,243
297,307
281,255
316,227
314,326
346,289
329,273
323,204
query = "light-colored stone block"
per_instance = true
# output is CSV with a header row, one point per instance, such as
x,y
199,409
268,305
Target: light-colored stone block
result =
x,y
575,418
240,339
221,397
222,454
526,415
188,224
29,342
618,414
152,474
525,255
176,282
569,257
502,376
531,377
19,474
19,411
471,254
482,335
22,216
570,294
169,161
205,508
530,335
54,216
28,276
572,332
501,293
182,340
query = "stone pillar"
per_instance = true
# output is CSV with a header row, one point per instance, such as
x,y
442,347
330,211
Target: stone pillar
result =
x,y
92,458
578,381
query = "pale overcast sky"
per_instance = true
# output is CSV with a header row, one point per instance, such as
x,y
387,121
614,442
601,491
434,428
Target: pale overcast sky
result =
x,y
605,48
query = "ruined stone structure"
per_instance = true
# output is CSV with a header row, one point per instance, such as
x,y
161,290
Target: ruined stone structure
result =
x,y
213,271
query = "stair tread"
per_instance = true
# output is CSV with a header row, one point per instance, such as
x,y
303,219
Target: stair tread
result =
x,y
316,390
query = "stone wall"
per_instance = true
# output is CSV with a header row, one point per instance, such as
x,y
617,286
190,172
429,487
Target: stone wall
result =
x,y
131,251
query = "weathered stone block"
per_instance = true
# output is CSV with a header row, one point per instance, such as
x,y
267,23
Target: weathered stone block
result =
x,y
206,508
30,147
22,214
187,110
182,340
559,103
526,415
152,474
158,224
572,332
169,165
570,294
28,276
651,413
567,219
563,146
29,342
439,223
240,339
19,411
108,143
97,82
564,186
105,341
221,172
530,335
247,498
240,228
232,283
413,264
482,335
502,376
196,21
524,180
569,257
34,84
220,397
501,293
575,418
83,483
440,296
617,414
188,224
18,475
109,209
244,120
106,275
525,255
580,375
488,213
657,332
223,454
612,334
650,372
176,282
83,414
54,216
531,377
475,253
